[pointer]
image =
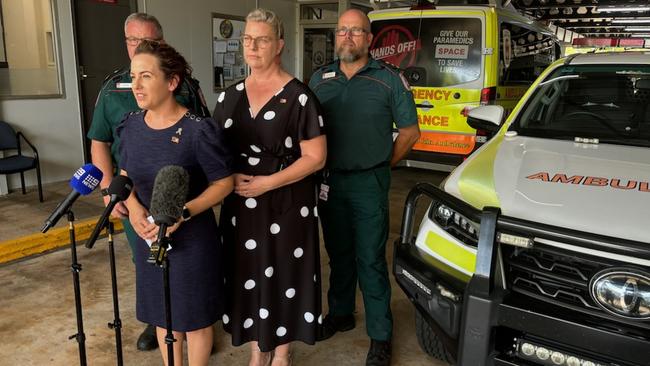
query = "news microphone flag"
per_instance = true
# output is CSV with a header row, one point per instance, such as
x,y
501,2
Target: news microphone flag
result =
x,y
83,182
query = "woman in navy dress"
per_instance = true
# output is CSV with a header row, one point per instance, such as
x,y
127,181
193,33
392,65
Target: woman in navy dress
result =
x,y
270,223
166,133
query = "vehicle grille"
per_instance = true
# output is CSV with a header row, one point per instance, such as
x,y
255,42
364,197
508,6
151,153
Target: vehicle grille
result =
x,y
553,276
560,278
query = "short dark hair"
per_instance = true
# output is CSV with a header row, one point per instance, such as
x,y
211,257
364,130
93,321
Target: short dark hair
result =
x,y
171,62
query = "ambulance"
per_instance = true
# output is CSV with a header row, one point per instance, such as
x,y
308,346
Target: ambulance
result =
x,y
536,249
456,58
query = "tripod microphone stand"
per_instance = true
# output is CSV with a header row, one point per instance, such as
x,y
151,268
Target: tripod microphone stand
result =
x,y
76,268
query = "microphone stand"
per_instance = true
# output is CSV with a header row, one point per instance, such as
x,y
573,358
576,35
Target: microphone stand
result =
x,y
169,337
117,323
76,268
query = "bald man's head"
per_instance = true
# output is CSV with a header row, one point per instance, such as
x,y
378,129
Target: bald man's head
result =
x,y
356,15
353,37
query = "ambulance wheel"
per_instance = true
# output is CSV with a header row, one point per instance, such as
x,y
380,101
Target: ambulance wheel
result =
x,y
429,340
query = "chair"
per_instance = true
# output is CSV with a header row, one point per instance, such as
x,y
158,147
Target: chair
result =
x,y
18,163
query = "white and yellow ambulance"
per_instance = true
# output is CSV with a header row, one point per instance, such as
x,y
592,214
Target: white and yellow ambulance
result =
x,y
457,58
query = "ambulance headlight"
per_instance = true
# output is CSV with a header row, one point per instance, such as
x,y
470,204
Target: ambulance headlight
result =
x,y
455,224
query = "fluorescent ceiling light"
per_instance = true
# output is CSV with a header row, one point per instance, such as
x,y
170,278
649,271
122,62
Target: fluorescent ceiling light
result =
x,y
630,21
625,8
637,29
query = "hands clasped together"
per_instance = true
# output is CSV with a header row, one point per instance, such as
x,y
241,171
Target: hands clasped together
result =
x,y
252,186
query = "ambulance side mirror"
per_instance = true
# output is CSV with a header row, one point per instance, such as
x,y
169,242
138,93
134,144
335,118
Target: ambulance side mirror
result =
x,y
487,118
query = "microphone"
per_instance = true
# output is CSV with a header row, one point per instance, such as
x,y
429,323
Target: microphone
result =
x,y
167,200
84,181
119,190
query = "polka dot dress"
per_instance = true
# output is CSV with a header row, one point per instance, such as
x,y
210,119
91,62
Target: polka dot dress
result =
x,y
271,241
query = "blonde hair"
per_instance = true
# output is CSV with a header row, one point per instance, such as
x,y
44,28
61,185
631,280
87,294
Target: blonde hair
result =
x,y
268,17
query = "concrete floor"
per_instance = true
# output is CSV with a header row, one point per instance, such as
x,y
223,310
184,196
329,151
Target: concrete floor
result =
x,y
37,312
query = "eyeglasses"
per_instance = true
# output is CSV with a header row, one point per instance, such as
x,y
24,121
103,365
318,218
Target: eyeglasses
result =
x,y
134,41
354,31
261,42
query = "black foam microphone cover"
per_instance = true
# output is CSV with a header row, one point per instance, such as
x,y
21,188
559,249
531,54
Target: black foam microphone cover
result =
x,y
169,194
119,190
121,186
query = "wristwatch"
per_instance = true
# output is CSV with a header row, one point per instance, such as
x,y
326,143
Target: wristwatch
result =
x,y
186,215
104,191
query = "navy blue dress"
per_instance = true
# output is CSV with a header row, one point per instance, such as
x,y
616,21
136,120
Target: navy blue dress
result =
x,y
197,145
271,241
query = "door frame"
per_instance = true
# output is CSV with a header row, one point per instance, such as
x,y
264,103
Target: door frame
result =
x,y
133,5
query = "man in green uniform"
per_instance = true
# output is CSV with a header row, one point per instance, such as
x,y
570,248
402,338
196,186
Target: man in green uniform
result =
x,y
361,99
115,100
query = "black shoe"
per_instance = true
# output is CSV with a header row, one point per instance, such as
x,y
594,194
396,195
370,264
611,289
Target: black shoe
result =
x,y
332,324
379,353
147,341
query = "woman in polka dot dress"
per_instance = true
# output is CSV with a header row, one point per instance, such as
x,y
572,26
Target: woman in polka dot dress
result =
x,y
269,224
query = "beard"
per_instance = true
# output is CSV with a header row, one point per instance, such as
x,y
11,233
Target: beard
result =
x,y
350,54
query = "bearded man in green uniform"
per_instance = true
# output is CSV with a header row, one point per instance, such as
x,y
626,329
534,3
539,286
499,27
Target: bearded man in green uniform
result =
x,y
115,100
361,99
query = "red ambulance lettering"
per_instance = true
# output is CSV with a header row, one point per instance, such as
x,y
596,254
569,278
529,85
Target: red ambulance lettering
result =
x,y
595,181
616,183
562,178
432,94
446,51
543,176
442,121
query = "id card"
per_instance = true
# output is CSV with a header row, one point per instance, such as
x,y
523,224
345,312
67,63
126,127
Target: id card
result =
x,y
324,191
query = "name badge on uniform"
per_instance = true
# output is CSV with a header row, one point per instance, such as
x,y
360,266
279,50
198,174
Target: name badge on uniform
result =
x,y
324,191
328,75
123,85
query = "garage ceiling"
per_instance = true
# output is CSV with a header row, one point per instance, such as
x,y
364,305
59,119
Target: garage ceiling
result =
x,y
592,18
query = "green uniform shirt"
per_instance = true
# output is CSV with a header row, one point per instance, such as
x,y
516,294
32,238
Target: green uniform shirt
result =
x,y
359,113
116,99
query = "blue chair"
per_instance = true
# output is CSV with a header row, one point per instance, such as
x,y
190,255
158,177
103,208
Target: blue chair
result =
x,y
17,162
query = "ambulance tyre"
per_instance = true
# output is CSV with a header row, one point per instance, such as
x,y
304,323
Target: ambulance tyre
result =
x,y
429,340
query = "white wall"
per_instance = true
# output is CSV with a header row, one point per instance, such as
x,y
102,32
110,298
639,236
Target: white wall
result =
x,y
188,27
53,125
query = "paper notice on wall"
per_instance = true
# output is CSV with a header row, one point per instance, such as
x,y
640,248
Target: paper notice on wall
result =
x,y
220,46
218,59
233,45
227,73
229,58
239,71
